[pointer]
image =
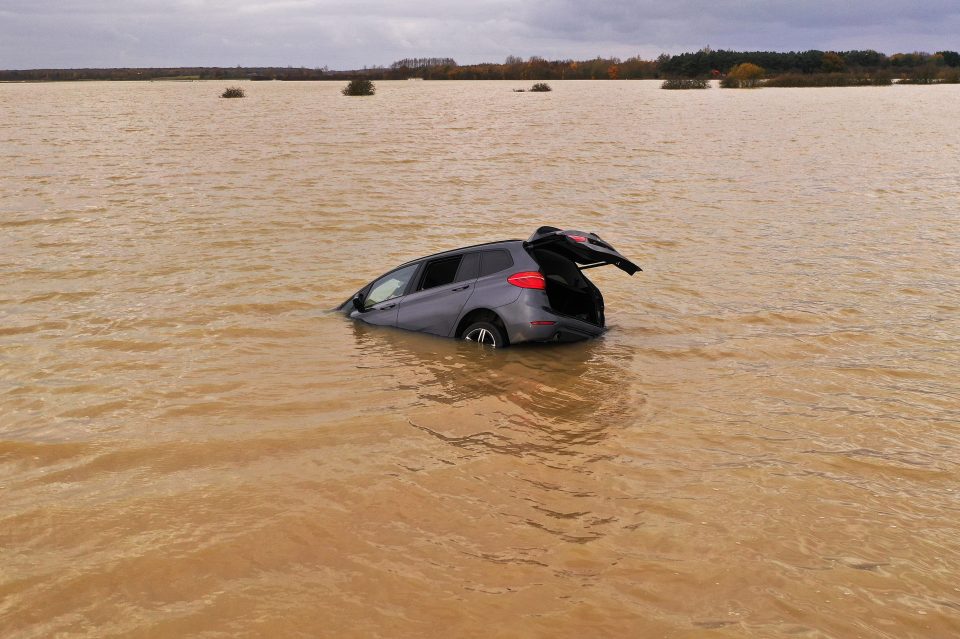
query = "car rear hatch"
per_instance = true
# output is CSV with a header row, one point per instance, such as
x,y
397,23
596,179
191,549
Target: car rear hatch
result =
x,y
585,249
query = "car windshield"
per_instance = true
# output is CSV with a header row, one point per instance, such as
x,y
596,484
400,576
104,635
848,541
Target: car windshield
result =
x,y
389,286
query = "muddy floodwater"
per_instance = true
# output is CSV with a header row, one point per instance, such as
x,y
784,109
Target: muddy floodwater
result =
x,y
766,442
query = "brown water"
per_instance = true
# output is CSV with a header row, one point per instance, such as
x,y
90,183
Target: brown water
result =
x,y
766,443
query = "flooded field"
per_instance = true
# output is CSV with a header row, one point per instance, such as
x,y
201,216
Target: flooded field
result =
x,y
766,443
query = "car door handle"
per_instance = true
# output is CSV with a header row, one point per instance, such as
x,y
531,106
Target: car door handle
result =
x,y
383,308
460,288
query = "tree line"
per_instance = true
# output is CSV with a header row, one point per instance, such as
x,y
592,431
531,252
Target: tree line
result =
x,y
707,61
701,64
423,63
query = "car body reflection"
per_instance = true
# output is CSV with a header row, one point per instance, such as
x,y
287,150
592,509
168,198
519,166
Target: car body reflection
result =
x,y
534,400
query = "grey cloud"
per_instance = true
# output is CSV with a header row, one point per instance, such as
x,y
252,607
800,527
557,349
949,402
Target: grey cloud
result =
x,y
349,34
742,24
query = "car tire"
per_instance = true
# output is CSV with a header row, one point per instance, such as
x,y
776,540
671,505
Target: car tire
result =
x,y
485,333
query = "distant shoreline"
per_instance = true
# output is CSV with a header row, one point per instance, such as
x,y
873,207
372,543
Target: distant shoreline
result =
x,y
916,68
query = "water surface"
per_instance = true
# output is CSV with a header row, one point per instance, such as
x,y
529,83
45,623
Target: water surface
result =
x,y
764,444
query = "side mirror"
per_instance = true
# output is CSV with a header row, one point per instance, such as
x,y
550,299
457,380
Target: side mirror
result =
x,y
358,302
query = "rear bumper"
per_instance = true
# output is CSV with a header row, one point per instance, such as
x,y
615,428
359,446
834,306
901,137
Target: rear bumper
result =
x,y
533,306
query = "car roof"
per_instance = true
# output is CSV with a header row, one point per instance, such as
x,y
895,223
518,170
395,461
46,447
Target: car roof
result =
x,y
458,250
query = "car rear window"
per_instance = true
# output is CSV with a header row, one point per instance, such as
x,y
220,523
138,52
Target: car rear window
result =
x,y
494,262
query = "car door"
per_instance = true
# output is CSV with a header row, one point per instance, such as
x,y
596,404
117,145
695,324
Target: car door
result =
x,y
586,249
381,299
443,287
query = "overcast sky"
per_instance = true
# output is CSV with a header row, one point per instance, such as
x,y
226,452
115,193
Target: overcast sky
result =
x,y
349,34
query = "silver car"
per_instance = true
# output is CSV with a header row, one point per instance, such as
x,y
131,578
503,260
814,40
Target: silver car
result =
x,y
498,293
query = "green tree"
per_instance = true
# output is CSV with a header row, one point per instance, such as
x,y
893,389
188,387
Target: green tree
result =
x,y
950,58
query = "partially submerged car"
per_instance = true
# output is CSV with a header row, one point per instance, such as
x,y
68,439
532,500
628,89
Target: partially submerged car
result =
x,y
498,293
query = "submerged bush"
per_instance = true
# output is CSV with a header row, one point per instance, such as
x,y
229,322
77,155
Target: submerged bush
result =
x,y
743,76
950,76
930,75
233,92
541,87
360,86
926,74
828,80
685,83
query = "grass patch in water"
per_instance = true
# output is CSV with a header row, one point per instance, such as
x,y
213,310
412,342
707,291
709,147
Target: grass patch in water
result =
x,y
685,83
828,80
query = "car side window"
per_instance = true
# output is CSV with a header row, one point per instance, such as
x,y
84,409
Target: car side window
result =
x,y
469,267
389,286
494,261
440,272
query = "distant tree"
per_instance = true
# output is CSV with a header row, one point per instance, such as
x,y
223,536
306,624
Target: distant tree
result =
x,y
907,60
868,59
950,58
423,63
541,87
662,61
832,63
513,59
743,76
950,75
613,71
537,68
636,69
926,74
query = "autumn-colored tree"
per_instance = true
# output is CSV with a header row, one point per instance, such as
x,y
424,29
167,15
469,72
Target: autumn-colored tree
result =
x,y
832,63
950,76
613,72
743,76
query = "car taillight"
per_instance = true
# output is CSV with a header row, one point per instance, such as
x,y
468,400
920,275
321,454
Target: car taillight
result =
x,y
577,238
528,279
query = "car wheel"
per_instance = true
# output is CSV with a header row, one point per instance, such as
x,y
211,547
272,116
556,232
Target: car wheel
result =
x,y
485,333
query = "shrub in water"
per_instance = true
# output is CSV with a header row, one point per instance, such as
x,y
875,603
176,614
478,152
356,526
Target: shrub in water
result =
x,y
685,83
950,76
232,92
360,86
827,80
743,76
541,87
